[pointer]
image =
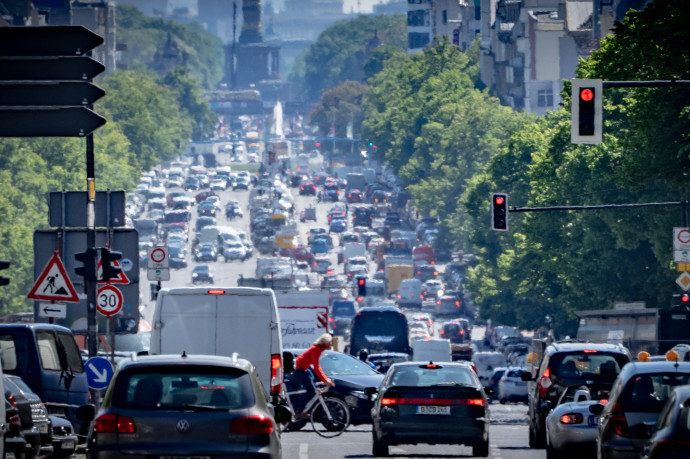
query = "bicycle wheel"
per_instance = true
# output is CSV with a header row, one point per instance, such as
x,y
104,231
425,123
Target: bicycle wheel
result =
x,y
332,421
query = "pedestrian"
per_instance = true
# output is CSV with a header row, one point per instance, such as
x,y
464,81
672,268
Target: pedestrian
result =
x,y
306,365
364,357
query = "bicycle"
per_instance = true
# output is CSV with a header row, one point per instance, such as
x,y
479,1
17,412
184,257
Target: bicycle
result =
x,y
329,415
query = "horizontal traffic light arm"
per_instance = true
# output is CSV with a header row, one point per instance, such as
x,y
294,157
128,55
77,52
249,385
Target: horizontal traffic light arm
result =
x,y
645,84
603,206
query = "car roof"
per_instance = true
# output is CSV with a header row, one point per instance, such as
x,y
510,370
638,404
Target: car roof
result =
x,y
168,360
636,368
569,346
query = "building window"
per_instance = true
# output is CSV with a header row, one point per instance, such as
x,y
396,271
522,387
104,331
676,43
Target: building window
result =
x,y
417,40
416,18
545,98
477,13
445,16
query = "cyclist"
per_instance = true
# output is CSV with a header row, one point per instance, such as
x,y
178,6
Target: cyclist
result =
x,y
364,357
306,365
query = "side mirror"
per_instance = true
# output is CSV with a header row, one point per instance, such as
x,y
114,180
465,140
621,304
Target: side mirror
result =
x,y
370,391
282,414
86,413
596,409
490,391
526,376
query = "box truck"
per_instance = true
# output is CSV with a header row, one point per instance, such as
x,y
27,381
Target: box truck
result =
x,y
433,350
221,321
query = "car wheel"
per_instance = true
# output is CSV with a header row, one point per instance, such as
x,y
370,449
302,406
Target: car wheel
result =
x,y
481,450
503,401
379,447
551,453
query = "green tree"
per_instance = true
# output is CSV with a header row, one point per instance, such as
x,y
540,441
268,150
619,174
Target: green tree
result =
x,y
146,36
341,51
191,99
339,107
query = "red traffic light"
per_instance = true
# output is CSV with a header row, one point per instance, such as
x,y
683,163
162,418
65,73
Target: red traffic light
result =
x,y
685,298
498,200
586,94
361,282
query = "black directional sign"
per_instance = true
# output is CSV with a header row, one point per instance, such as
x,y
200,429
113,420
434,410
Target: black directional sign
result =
x,y
49,122
45,82
47,41
74,68
52,93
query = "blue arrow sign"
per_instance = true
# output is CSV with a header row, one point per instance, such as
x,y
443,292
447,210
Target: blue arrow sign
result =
x,y
99,372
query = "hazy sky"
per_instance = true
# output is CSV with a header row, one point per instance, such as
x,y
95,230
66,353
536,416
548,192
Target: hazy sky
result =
x,y
359,6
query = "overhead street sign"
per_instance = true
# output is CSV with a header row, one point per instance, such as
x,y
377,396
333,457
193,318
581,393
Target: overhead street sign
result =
x,y
73,68
49,122
47,41
49,93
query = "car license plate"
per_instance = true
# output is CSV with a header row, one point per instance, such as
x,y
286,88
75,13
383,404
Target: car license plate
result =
x,y
424,409
43,428
593,420
67,444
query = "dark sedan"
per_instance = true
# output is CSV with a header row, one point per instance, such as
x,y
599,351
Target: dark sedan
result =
x,y
353,379
432,404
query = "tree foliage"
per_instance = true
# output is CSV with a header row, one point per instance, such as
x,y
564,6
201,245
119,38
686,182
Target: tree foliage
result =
x,y
556,263
341,51
146,35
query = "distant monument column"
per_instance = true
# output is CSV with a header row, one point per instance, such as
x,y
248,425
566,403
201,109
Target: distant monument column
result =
x,y
255,61
251,22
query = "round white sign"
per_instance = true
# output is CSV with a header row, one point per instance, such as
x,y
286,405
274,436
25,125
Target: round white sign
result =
x,y
109,300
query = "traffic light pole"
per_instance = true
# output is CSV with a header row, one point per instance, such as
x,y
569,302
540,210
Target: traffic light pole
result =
x,y
91,286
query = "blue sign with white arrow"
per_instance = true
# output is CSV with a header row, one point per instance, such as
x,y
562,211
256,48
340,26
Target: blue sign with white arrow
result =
x,y
99,372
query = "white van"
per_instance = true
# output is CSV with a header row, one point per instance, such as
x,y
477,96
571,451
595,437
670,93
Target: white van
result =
x,y
220,321
486,363
410,294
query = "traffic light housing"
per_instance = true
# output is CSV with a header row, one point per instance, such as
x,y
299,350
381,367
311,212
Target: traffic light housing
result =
x,y
499,212
682,300
586,111
361,287
107,258
4,264
88,258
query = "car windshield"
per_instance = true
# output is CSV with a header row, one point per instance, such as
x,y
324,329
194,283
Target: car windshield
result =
x,y
174,388
201,269
430,375
336,363
343,308
647,393
589,365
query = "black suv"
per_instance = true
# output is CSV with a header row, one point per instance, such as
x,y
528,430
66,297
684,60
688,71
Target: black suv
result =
x,y
362,216
566,364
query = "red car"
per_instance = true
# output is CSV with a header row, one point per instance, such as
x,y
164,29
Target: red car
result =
x,y
299,253
203,195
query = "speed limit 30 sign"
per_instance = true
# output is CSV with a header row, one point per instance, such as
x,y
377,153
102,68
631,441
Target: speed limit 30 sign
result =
x,y
109,300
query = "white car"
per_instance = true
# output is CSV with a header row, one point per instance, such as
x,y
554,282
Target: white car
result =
x,y
432,289
511,387
234,250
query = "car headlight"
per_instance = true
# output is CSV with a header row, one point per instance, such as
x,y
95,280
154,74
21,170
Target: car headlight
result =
x,y
195,275
360,394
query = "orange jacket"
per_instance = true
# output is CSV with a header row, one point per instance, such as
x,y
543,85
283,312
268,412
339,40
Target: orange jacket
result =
x,y
310,358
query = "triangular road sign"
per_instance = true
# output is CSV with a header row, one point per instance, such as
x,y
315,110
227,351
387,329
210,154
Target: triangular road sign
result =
x,y
120,279
54,284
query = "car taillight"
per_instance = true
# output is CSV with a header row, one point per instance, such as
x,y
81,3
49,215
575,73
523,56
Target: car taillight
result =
x,y
276,374
331,319
545,382
13,400
390,400
16,420
112,423
257,424
618,422
571,418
